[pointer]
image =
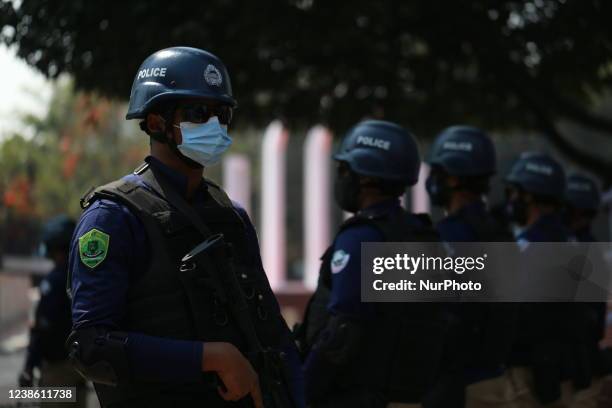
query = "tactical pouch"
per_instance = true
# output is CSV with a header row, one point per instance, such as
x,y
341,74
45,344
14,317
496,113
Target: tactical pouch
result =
x,y
100,356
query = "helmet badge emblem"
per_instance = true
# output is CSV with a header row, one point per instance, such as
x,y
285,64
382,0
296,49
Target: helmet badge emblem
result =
x,y
212,76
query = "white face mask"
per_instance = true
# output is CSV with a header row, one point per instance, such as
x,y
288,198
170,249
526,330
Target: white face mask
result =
x,y
204,143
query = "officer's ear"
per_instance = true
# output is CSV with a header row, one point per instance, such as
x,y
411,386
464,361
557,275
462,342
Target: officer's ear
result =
x,y
366,181
528,198
452,181
155,123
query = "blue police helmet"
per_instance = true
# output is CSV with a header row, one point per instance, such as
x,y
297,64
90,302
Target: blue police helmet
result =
x,y
539,174
582,192
464,151
57,232
381,149
178,73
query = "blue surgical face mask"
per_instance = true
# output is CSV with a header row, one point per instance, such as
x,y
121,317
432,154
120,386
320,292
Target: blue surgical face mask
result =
x,y
204,143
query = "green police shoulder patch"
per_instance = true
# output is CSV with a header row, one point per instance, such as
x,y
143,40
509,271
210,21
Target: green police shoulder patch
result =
x,y
93,247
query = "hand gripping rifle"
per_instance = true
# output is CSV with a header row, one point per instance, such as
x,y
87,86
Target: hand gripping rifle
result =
x,y
216,255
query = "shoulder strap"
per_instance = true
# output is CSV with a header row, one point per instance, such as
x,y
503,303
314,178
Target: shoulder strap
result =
x,y
128,193
109,191
325,270
162,186
218,194
399,226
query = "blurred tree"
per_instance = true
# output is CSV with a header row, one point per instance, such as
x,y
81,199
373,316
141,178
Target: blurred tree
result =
x,y
522,64
81,142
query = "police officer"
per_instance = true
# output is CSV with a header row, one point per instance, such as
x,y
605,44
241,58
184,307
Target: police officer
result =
x,y
370,354
52,322
462,162
539,358
149,330
582,200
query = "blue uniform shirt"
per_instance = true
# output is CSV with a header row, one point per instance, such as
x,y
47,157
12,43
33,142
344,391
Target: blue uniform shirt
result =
x,y
584,235
454,228
346,264
547,228
99,294
52,319
345,297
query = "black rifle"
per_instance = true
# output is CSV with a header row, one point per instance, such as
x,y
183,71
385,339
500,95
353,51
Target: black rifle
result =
x,y
216,255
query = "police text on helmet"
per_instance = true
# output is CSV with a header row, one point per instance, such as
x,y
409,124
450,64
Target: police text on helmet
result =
x,y
151,72
374,142
579,186
461,146
539,168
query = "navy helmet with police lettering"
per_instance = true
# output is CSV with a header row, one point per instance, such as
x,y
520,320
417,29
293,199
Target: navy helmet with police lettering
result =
x,y
582,192
381,149
179,73
463,151
539,174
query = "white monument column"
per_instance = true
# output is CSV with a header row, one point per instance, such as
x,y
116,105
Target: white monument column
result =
x,y
272,229
317,200
237,179
420,198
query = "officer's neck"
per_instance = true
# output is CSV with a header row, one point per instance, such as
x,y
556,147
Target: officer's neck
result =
x,y
579,224
535,212
367,200
171,160
461,199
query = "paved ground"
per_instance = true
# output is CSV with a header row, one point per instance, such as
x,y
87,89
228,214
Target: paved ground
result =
x,y
10,365
12,354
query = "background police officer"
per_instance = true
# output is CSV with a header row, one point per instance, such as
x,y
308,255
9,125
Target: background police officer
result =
x,y
541,358
462,162
147,331
370,354
52,323
582,201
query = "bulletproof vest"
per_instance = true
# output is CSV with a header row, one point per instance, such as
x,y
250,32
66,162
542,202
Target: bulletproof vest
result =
x,y
403,343
184,305
487,229
485,331
595,318
553,232
550,336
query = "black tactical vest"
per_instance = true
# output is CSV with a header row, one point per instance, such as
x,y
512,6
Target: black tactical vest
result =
x,y
550,337
403,343
169,303
487,330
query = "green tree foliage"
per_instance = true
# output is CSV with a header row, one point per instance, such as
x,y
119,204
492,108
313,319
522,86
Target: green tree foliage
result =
x,y
82,142
523,64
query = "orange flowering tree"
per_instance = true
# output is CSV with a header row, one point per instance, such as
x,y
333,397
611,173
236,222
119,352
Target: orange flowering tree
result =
x,y
82,141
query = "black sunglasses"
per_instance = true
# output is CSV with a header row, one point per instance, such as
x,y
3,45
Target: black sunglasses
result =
x,y
200,113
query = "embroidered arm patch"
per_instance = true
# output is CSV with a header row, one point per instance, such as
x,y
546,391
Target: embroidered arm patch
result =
x,y
93,247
